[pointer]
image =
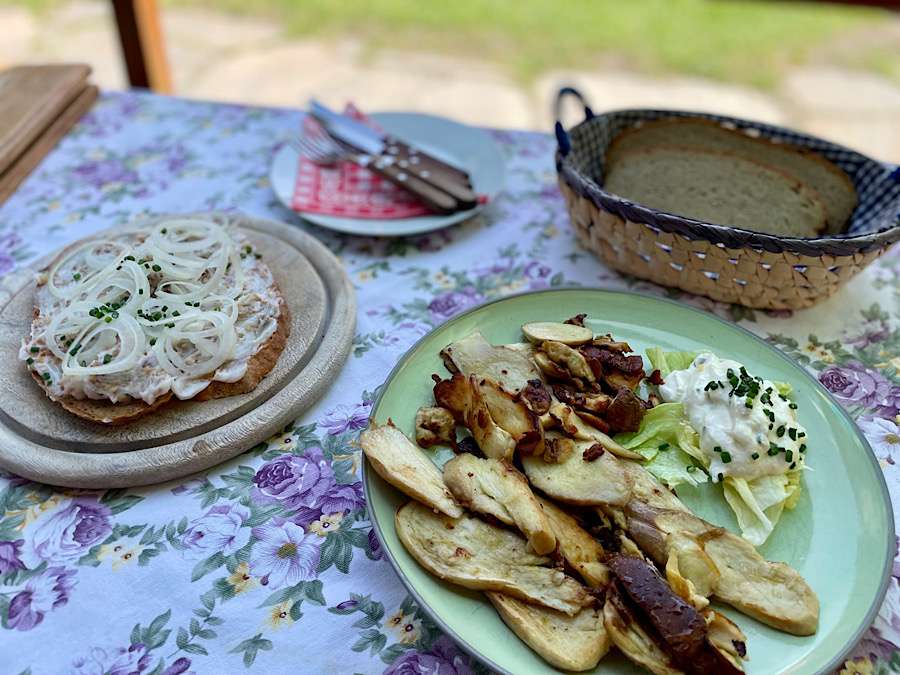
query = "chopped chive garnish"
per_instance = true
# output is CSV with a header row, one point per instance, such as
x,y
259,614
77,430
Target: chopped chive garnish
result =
x,y
803,447
792,432
29,360
789,456
152,341
726,457
34,350
107,319
156,268
691,468
663,446
107,358
792,405
76,276
755,455
780,431
717,449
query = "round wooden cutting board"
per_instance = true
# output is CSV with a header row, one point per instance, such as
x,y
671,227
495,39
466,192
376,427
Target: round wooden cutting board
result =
x,y
43,442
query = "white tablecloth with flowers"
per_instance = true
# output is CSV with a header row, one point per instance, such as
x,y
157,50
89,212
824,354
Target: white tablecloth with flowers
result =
x,y
186,576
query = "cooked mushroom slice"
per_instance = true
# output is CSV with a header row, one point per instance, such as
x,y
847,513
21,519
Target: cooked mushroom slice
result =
x,y
461,395
575,481
557,448
592,420
689,570
572,643
536,396
513,416
577,320
679,625
577,547
629,636
549,368
607,342
570,422
569,359
473,355
771,592
626,411
592,402
471,553
496,488
403,464
435,426
726,637
566,333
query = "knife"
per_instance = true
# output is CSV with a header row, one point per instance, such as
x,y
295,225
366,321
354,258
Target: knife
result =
x,y
452,180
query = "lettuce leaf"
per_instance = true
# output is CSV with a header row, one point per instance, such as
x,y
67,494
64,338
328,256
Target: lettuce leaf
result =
x,y
669,444
666,362
759,503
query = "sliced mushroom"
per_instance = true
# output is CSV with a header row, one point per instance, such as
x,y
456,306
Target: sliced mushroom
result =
x,y
471,553
575,481
549,368
592,420
625,411
435,426
461,395
572,424
629,636
571,643
498,489
577,320
557,448
591,402
607,342
512,415
536,396
726,637
566,333
569,359
577,547
405,466
681,628
474,355
771,592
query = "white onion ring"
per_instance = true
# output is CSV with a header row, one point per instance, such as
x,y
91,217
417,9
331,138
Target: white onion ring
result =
x,y
130,340
95,267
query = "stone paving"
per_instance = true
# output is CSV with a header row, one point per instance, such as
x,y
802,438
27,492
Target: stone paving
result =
x,y
223,57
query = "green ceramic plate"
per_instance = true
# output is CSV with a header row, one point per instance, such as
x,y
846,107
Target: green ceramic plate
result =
x,y
840,537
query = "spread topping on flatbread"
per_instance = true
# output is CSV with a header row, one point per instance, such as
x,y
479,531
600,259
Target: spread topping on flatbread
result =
x,y
171,308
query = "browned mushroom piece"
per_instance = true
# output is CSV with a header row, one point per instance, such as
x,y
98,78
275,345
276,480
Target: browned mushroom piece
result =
x,y
607,342
680,627
435,426
626,411
536,397
577,320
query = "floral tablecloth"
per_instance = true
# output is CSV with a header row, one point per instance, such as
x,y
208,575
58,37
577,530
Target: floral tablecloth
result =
x,y
192,576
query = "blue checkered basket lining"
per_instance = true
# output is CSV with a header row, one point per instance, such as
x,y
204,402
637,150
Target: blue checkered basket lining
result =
x,y
877,184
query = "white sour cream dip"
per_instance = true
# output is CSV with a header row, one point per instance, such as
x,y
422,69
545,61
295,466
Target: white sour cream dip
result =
x,y
747,429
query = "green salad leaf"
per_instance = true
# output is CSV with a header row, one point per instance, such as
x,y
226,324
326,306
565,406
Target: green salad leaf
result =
x,y
669,444
671,447
666,362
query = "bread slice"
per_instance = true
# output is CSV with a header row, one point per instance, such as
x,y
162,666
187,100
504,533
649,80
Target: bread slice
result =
x,y
834,187
114,414
716,187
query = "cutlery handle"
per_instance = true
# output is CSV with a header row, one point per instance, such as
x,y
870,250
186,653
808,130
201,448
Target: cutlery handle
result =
x,y
438,200
434,171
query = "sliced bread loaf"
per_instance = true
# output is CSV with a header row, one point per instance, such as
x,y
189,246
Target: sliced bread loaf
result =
x,y
836,190
716,187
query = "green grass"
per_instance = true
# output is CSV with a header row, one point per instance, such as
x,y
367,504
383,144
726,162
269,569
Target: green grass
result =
x,y
735,40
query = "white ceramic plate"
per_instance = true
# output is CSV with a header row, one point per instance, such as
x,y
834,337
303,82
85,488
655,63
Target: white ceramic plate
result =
x,y
467,147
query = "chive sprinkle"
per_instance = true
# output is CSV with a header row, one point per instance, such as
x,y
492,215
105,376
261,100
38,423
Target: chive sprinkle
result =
x,y
34,350
663,446
789,456
755,455
780,431
29,360
107,358
726,458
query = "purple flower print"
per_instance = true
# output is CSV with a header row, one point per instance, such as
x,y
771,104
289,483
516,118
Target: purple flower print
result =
x,y
347,605
536,274
131,660
444,658
9,556
453,302
346,418
870,332
343,498
178,667
41,595
67,532
878,641
284,554
374,545
219,529
306,515
294,481
190,487
854,384
103,172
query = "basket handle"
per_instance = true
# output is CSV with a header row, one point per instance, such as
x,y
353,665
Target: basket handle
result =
x,y
562,138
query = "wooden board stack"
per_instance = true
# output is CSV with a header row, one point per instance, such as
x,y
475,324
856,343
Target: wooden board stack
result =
x,y
38,106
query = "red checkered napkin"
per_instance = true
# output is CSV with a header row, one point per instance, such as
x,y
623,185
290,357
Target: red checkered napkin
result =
x,y
349,190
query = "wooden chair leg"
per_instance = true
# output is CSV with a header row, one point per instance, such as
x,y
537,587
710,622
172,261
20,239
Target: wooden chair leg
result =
x,y
140,36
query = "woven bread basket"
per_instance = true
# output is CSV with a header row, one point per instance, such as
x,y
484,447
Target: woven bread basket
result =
x,y
724,263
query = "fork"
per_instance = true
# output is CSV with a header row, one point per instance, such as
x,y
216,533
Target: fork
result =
x,y
325,151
